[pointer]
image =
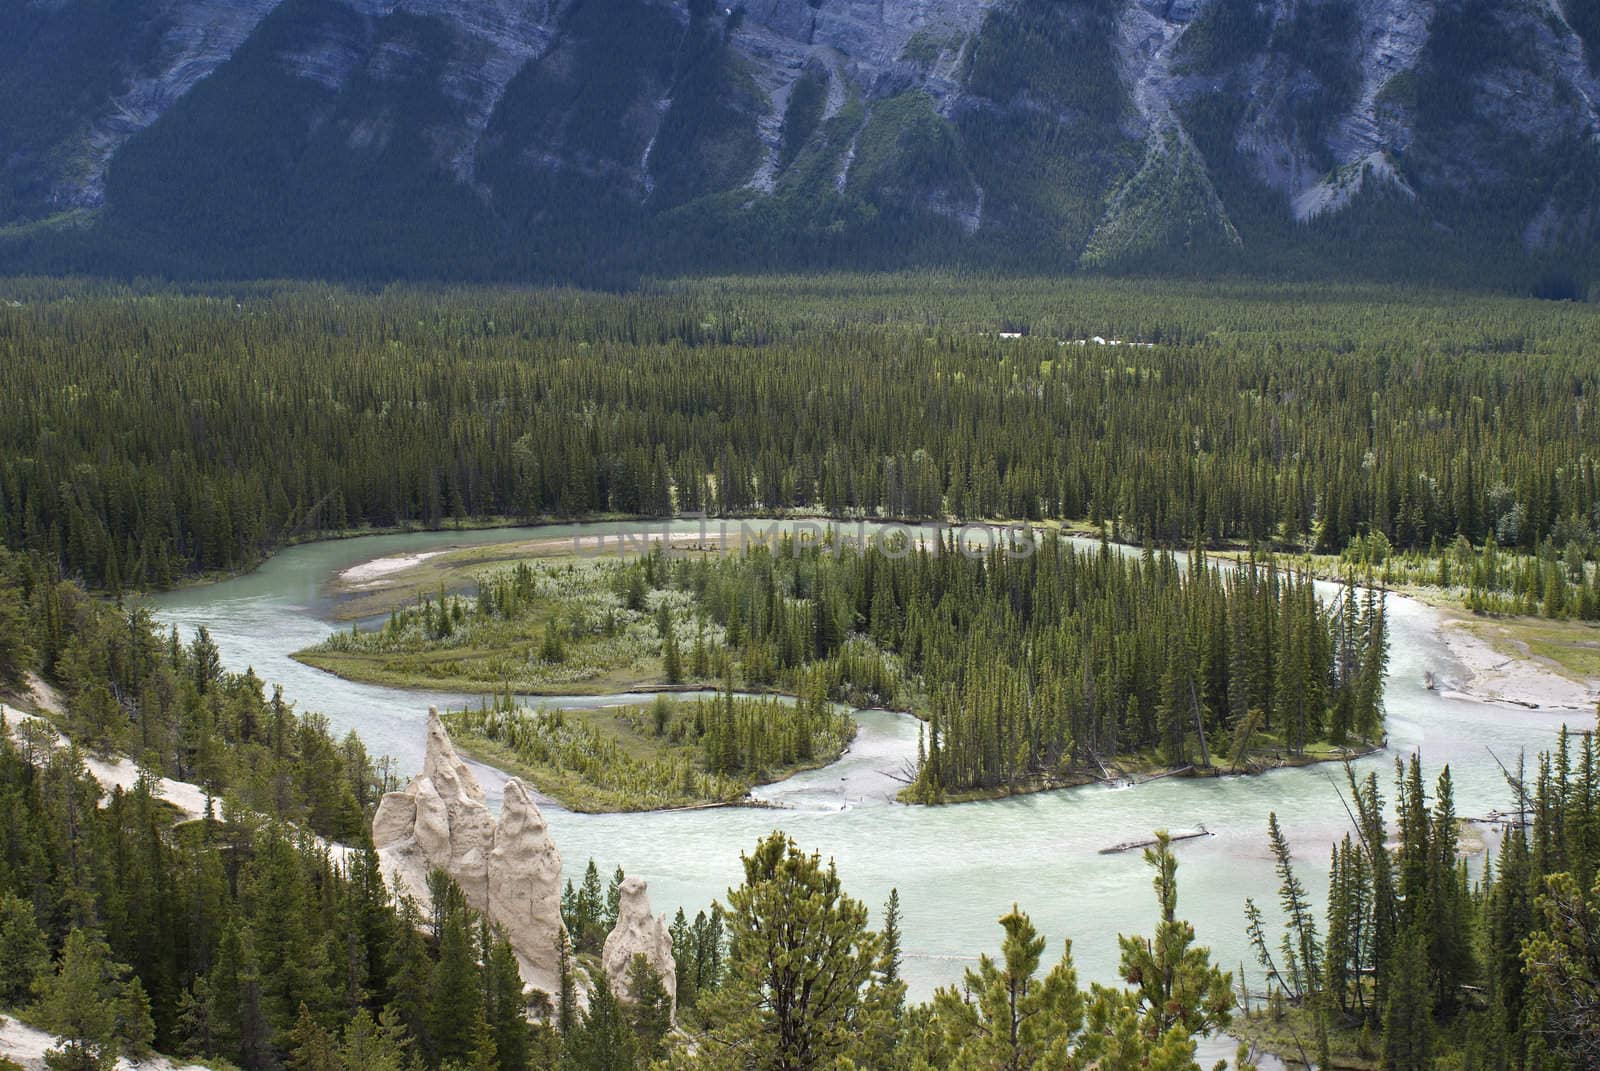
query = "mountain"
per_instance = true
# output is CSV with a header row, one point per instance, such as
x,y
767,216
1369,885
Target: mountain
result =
x,y
586,138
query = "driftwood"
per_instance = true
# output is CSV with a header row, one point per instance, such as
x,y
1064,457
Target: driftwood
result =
x,y
1130,845
1510,819
905,775
1179,772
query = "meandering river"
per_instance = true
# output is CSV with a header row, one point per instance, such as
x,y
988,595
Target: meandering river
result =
x,y
958,868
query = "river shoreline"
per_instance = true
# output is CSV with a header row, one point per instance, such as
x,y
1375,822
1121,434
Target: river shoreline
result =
x,y
1495,674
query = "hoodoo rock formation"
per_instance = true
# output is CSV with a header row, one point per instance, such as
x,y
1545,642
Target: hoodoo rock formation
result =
x,y
638,932
525,887
508,869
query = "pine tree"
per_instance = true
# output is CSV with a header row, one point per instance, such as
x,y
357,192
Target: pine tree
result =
x,y
380,1045
1004,1016
800,967
311,1047
23,954
1177,989
79,1002
1562,962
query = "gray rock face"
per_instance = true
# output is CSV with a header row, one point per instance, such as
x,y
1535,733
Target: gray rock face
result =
x,y
1537,95
638,932
509,869
489,41
198,38
493,39
874,48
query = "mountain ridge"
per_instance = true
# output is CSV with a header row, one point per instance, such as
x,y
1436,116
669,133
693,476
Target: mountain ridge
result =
x,y
491,137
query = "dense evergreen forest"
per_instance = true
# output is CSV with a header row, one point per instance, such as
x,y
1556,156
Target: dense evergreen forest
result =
x,y
1417,967
151,435
127,687
1555,580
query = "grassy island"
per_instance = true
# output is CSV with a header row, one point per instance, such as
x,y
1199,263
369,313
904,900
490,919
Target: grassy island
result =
x,y
665,754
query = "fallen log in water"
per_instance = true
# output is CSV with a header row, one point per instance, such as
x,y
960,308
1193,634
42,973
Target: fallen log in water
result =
x,y
1180,771
1502,818
1130,845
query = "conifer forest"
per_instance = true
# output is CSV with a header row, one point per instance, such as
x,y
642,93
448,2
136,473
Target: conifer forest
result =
x,y
1295,586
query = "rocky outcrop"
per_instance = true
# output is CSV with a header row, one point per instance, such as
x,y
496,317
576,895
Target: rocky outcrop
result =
x,y
508,869
638,933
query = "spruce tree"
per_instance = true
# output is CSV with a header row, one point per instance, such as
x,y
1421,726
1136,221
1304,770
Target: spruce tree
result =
x,y
1408,1012
136,1029
683,958
505,1009
608,921
589,909
889,959
602,1040
567,982
650,1011
1301,947
458,1003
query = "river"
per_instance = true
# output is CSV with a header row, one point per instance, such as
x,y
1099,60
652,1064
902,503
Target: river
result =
x,y
958,868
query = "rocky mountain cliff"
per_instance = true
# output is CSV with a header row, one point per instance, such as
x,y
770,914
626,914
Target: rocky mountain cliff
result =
x,y
485,137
